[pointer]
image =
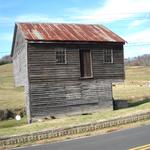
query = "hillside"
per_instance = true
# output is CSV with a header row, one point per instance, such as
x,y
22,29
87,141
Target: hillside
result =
x,y
10,96
137,73
135,87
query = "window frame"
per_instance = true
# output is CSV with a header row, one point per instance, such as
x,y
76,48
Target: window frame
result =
x,y
61,55
105,55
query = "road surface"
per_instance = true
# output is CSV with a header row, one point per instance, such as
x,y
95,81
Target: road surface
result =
x,y
120,140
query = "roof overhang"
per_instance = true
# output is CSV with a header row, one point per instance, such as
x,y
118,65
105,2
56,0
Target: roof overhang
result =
x,y
75,42
13,42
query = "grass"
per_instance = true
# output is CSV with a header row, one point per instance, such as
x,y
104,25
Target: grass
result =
x,y
135,87
12,123
137,73
10,96
131,91
22,127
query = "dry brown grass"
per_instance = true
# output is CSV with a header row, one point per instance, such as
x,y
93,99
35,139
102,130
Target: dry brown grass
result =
x,y
10,96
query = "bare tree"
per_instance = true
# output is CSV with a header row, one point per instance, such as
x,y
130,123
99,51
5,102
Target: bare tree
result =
x,y
5,60
143,60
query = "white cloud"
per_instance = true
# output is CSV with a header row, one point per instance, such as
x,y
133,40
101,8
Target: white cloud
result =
x,y
37,18
114,10
140,37
136,51
10,21
137,23
138,43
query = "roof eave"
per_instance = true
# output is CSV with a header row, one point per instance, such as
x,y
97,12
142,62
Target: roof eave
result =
x,y
13,43
14,38
69,41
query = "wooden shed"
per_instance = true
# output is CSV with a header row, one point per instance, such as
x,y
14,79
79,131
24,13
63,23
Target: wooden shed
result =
x,y
66,68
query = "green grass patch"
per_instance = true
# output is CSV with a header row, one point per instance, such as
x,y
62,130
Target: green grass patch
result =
x,y
13,127
137,103
12,123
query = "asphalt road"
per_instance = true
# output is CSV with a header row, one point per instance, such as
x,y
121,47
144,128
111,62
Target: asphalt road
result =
x,y
120,140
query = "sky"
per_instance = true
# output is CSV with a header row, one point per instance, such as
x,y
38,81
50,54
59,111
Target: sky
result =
x,y
130,19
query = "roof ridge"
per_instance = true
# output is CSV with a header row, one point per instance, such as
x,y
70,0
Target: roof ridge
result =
x,y
58,23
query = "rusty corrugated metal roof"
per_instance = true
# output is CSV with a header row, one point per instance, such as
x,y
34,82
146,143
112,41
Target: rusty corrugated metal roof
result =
x,y
68,32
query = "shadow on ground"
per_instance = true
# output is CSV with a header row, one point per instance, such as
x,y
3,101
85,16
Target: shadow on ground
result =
x,y
137,103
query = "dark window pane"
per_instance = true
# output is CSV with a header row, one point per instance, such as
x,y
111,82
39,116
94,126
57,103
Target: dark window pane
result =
x,y
60,56
108,55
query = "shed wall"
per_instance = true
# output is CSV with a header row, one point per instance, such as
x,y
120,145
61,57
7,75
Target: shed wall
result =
x,y
20,60
63,98
57,88
43,67
20,68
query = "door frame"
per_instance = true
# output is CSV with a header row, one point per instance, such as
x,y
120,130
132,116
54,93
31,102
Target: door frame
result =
x,y
91,64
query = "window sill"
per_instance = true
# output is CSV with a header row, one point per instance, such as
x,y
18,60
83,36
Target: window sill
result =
x,y
61,63
84,78
108,62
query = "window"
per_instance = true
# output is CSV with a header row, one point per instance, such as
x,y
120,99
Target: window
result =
x,y
61,56
108,56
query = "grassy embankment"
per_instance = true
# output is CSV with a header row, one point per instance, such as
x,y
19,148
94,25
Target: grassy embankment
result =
x,y
135,88
10,96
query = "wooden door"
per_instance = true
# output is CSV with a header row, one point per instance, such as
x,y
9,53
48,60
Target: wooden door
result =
x,y
85,63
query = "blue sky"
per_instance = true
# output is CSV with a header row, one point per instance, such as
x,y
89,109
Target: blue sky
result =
x,y
128,18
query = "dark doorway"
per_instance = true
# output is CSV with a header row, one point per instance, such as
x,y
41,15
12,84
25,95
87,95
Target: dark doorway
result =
x,y
85,63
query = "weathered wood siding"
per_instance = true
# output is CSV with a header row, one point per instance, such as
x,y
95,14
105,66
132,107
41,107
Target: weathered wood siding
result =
x,y
20,60
20,68
103,70
45,54
58,89
67,97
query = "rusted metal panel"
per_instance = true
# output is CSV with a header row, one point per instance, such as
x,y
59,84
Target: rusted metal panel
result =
x,y
68,32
